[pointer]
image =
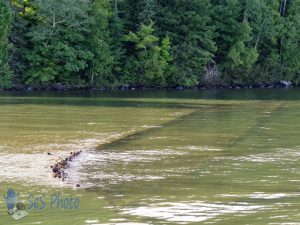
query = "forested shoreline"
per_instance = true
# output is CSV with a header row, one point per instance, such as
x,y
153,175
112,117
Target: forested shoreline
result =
x,y
149,43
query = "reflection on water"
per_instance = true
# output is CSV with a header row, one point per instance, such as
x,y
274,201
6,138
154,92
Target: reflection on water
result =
x,y
262,195
191,211
165,158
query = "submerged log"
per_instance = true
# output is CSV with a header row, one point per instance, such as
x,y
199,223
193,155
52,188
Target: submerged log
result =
x,y
58,169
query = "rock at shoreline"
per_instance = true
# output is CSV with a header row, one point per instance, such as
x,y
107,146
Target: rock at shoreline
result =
x,y
285,83
58,87
19,87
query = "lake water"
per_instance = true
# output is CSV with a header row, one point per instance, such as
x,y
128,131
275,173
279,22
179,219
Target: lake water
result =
x,y
154,157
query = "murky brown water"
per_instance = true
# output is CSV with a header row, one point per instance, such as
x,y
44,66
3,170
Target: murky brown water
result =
x,y
188,157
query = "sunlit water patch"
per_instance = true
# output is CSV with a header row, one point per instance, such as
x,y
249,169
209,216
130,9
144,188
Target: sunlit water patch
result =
x,y
190,212
95,139
261,195
102,167
34,167
278,155
126,223
201,148
27,168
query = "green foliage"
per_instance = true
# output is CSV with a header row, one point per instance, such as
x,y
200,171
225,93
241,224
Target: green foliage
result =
x,y
147,11
167,42
101,67
57,42
24,15
239,55
149,63
290,49
5,26
56,62
236,54
116,43
264,19
188,23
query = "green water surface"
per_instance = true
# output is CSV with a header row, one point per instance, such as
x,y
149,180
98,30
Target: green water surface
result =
x,y
154,157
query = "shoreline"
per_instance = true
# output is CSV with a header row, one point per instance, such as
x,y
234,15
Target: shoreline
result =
x,y
65,88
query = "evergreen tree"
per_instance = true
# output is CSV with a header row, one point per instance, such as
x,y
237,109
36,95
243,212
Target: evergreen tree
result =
x,y
5,26
149,64
264,19
169,42
58,43
24,15
290,42
188,25
131,15
101,67
148,10
116,42
234,36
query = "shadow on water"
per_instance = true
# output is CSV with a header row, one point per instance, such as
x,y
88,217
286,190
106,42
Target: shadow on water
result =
x,y
188,99
225,94
153,130
105,102
260,121
141,134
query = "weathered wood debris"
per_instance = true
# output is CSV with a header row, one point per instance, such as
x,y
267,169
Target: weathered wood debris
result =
x,y
58,169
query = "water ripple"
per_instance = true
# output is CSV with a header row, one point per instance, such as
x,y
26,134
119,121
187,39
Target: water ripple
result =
x,y
190,211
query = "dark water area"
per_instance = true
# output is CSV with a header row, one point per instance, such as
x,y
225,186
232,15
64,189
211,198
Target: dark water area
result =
x,y
216,94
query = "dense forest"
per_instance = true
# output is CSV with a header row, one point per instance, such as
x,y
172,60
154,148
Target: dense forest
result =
x,y
149,43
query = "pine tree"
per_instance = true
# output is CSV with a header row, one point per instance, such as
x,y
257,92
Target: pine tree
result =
x,y
5,26
24,15
101,67
150,62
290,44
148,10
188,24
184,42
116,42
131,15
235,55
